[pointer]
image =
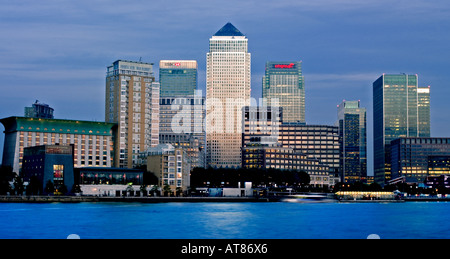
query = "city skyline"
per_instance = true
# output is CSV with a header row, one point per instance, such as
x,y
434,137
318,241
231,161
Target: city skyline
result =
x,y
52,55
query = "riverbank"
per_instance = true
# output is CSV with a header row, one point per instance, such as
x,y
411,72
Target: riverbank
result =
x,y
77,199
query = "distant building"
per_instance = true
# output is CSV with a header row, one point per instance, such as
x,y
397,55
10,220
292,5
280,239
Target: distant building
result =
x,y
181,125
169,164
132,101
39,110
106,181
265,156
49,163
284,83
416,158
442,181
177,77
353,135
93,141
400,109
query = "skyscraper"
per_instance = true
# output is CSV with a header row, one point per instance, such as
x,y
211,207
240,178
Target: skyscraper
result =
x,y
352,132
396,115
284,81
178,77
424,111
132,101
227,92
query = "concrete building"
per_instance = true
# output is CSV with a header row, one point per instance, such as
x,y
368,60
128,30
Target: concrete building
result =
x,y
169,164
92,141
132,101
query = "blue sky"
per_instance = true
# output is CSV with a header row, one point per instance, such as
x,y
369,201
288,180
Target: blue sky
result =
x,y
57,51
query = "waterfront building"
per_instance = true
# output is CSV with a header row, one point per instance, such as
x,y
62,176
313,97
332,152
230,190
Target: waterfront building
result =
x,y
283,85
438,182
49,163
177,77
181,125
319,142
93,141
396,114
265,156
169,164
228,79
132,101
107,181
352,132
39,110
413,159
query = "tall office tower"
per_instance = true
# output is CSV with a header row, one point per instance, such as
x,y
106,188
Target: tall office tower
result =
x,y
39,110
178,77
424,112
352,132
284,81
132,101
396,115
227,92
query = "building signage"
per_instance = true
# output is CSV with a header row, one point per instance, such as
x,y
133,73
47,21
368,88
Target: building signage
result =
x,y
284,65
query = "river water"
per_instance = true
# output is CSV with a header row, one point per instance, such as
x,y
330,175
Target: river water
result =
x,y
409,220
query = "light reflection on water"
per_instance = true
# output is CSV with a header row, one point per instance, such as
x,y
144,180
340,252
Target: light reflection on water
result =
x,y
224,220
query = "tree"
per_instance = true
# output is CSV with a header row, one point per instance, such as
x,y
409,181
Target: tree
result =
x,y
49,187
18,185
34,186
6,176
62,190
167,190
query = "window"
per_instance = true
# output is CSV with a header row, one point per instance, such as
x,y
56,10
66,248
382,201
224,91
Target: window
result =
x,y
58,175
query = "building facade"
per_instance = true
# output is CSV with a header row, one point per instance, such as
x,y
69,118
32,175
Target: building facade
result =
x,y
93,141
228,80
319,142
39,110
283,85
265,156
416,158
423,94
169,164
132,101
352,132
177,77
54,163
396,105
181,125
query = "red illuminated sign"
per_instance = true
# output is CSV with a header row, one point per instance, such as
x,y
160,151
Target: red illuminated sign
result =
x,y
284,65
177,64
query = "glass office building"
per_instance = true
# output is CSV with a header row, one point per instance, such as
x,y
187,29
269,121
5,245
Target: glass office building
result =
x,y
283,82
396,114
352,132
178,77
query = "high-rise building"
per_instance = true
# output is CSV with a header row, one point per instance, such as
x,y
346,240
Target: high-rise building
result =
x,y
424,112
227,92
132,101
352,132
283,83
39,110
178,77
395,114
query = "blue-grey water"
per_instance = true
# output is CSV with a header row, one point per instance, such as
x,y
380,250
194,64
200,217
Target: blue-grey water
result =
x,y
427,220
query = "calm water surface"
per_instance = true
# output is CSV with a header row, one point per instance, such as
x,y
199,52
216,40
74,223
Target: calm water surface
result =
x,y
225,220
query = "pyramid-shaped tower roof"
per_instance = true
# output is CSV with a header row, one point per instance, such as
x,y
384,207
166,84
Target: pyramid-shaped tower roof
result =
x,y
229,30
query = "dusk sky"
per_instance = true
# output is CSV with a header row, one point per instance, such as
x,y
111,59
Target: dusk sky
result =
x,y
57,51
